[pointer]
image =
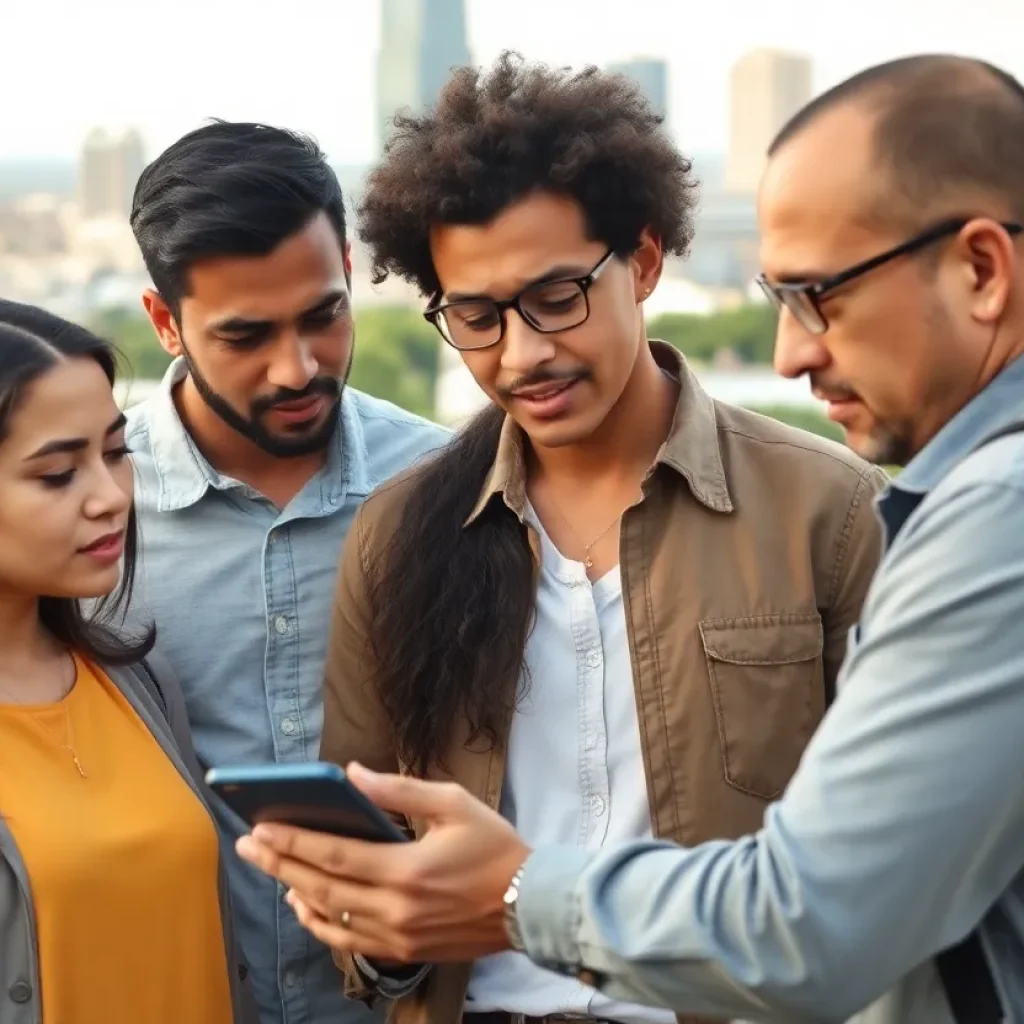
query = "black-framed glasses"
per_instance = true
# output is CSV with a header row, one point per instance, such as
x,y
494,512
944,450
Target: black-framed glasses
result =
x,y
547,306
803,299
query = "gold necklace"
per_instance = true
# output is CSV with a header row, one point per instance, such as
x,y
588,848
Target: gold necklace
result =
x,y
587,560
67,744
68,732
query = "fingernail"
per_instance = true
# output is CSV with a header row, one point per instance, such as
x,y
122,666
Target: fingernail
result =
x,y
244,847
356,768
264,834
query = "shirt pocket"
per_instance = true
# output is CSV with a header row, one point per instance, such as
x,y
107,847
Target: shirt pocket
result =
x,y
767,684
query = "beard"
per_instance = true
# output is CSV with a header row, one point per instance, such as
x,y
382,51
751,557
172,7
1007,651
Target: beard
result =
x,y
295,444
885,447
895,442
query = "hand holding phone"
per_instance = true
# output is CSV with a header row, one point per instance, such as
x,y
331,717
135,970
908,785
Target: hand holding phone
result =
x,y
315,795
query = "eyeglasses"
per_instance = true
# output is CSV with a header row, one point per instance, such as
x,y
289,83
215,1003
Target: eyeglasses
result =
x,y
803,299
547,306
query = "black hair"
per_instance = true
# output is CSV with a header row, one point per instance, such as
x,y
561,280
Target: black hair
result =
x,y
229,189
944,126
33,342
452,604
496,135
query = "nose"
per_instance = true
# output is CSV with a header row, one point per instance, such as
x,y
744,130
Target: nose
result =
x,y
524,348
293,364
109,496
797,351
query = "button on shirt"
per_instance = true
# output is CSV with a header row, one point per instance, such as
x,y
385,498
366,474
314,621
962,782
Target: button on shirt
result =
x,y
241,592
574,771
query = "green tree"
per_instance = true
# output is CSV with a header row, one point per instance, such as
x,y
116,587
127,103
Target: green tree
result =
x,y
397,357
805,418
748,331
132,334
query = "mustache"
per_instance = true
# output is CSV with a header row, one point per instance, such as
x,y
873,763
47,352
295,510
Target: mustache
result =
x,y
542,377
328,386
838,391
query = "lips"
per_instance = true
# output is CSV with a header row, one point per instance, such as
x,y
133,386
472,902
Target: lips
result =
x,y
104,543
302,405
301,412
539,392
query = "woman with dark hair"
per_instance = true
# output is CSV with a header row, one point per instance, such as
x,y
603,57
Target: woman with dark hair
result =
x,y
112,899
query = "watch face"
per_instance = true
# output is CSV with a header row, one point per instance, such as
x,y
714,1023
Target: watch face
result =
x,y
510,900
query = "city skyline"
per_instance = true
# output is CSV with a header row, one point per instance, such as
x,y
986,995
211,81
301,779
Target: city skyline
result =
x,y
420,42
315,71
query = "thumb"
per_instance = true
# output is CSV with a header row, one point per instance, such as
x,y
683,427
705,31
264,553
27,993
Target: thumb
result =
x,y
402,794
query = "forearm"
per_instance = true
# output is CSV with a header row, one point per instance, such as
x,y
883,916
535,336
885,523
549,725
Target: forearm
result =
x,y
660,925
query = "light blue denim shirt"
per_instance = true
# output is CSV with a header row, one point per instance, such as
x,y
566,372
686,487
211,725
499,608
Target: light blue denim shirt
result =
x,y
241,593
903,828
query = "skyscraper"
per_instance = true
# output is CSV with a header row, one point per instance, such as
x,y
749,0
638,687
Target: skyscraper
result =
x,y
108,170
766,88
651,75
420,42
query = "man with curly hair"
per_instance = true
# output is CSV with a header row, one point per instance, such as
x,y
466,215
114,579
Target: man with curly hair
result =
x,y
614,607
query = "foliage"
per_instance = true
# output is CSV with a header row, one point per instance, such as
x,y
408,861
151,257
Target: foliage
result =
x,y
397,357
747,330
805,418
397,353
141,355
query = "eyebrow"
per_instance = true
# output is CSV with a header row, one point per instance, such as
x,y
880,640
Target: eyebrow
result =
x,y
74,444
562,272
241,324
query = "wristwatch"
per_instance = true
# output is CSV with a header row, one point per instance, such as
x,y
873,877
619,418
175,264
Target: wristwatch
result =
x,y
511,901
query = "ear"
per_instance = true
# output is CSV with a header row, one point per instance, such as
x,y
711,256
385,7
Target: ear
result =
x,y
162,319
988,259
646,262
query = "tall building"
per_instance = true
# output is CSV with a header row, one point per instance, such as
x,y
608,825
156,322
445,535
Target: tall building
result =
x,y
108,170
651,75
766,88
420,42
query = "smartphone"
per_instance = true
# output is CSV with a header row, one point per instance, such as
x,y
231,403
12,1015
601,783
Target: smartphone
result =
x,y
314,795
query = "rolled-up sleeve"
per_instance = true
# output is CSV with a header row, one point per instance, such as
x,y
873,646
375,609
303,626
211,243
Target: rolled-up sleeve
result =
x,y
901,828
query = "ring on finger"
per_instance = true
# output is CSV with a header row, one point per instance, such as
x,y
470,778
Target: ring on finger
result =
x,y
345,921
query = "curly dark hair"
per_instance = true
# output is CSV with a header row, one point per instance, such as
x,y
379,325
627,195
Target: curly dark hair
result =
x,y
496,135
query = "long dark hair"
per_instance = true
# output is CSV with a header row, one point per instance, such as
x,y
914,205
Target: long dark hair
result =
x,y
32,342
452,605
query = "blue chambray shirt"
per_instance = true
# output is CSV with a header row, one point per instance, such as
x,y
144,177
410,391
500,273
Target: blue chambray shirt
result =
x,y
241,593
903,828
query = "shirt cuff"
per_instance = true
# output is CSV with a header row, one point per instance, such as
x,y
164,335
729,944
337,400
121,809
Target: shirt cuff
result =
x,y
388,986
548,907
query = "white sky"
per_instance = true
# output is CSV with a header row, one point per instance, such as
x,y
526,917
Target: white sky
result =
x,y
165,65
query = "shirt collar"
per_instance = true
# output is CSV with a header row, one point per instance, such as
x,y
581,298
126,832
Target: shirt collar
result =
x,y
994,408
691,448
184,473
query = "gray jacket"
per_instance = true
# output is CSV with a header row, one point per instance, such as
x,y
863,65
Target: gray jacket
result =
x,y
153,692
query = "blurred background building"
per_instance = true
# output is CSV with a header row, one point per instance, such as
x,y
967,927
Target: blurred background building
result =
x,y
421,41
65,241
766,88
